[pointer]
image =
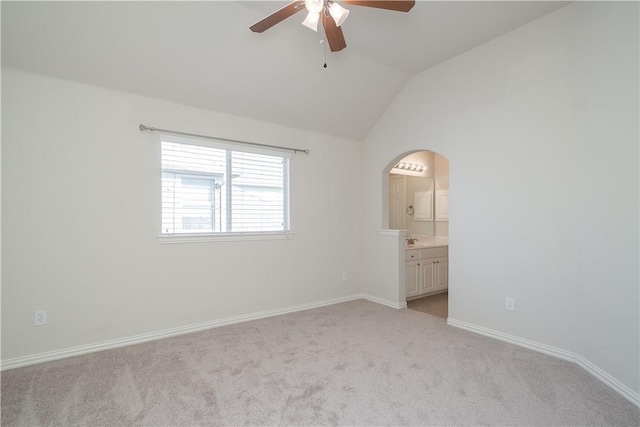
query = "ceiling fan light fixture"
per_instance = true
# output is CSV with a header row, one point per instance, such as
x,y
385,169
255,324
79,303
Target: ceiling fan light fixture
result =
x,y
311,21
314,6
338,13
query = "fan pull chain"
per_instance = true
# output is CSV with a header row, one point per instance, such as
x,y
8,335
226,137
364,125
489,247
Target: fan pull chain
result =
x,y
324,42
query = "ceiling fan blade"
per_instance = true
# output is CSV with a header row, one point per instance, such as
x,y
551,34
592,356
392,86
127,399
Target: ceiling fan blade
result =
x,y
397,5
278,16
334,34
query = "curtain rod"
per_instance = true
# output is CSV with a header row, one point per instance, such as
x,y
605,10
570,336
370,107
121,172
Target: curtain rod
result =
x,y
175,132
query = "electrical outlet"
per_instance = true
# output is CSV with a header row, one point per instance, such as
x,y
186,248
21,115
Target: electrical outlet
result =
x,y
40,318
510,304
345,276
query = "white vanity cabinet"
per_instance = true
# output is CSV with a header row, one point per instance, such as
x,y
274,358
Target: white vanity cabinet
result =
x,y
412,277
426,271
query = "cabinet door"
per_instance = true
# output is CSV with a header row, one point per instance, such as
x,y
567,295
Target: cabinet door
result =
x,y
427,270
412,278
423,202
441,273
442,205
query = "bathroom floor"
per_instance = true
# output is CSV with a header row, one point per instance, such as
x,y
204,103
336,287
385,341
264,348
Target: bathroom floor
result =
x,y
435,305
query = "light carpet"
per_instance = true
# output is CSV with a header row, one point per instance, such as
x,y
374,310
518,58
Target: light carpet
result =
x,y
355,363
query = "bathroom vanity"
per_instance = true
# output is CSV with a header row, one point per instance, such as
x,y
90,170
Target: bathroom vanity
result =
x,y
426,268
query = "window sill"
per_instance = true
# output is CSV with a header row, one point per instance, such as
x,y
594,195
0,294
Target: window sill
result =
x,y
223,237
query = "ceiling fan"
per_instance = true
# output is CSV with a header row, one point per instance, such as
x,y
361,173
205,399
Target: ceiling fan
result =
x,y
331,13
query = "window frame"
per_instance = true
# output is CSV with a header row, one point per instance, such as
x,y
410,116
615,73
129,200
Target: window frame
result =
x,y
287,233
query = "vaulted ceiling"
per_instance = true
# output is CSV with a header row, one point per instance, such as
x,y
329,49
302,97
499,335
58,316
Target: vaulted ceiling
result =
x,y
202,54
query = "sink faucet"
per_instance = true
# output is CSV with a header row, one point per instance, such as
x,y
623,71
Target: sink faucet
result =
x,y
411,241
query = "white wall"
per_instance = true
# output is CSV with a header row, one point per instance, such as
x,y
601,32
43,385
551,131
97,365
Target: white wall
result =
x,y
81,216
540,127
441,228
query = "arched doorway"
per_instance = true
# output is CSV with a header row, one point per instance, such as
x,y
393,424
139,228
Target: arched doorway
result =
x,y
417,201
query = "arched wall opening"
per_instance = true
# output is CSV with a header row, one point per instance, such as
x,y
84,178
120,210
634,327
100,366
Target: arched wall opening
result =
x,y
429,172
415,201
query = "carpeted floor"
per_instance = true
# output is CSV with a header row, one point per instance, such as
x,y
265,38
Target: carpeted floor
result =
x,y
356,363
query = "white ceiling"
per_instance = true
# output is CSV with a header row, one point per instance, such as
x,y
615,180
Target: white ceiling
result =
x,y
202,54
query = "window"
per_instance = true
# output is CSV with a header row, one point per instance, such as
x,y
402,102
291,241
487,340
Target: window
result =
x,y
216,189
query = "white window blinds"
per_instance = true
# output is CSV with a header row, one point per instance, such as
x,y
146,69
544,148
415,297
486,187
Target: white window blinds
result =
x,y
216,189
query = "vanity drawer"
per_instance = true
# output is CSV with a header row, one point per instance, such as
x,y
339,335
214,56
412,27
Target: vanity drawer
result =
x,y
441,251
416,254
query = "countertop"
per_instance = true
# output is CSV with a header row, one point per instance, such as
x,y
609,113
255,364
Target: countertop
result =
x,y
429,242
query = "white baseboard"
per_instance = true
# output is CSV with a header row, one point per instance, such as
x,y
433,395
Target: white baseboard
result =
x,y
18,362
383,301
33,359
607,379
